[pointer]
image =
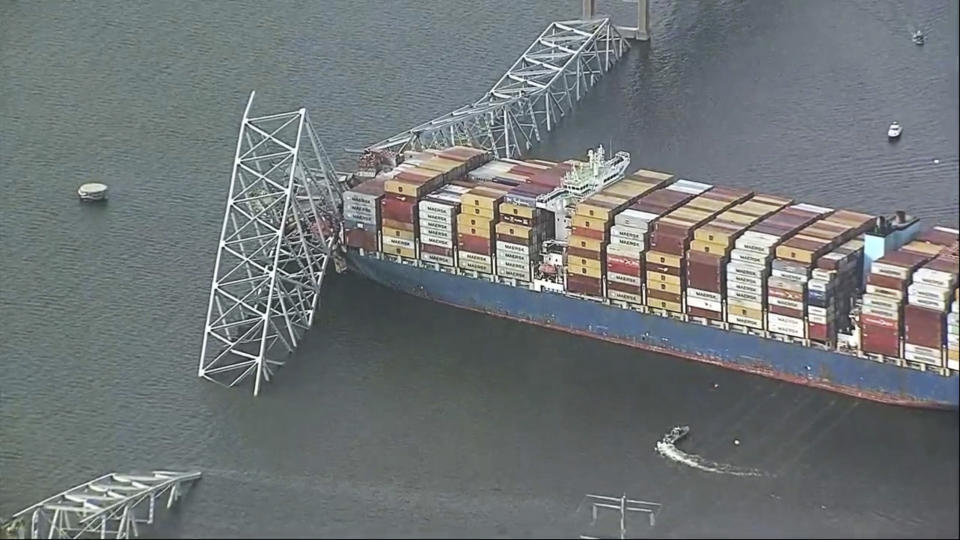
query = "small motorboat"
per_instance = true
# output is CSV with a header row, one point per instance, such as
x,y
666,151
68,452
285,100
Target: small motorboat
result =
x,y
894,130
92,192
918,37
675,434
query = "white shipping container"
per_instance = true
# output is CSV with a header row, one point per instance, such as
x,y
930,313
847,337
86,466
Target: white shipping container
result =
x,y
821,312
937,278
704,295
819,319
815,210
820,285
439,231
629,252
883,291
884,313
624,278
783,302
627,242
880,302
693,301
744,296
747,269
744,321
885,269
512,256
512,248
438,219
635,218
790,326
953,364
631,233
953,340
743,287
438,208
823,274
929,291
474,257
915,356
435,241
921,349
741,302
689,186
741,255
398,242
439,259
927,303
624,297
785,284
515,274
791,276
746,280
519,266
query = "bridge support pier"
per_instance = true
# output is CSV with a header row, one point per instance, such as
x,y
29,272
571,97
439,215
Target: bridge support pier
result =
x,y
641,32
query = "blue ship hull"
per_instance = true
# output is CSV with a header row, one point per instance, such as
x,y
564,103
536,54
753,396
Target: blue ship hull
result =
x,y
809,366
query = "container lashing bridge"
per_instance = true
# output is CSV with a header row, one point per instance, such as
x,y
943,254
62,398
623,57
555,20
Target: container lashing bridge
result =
x,y
282,222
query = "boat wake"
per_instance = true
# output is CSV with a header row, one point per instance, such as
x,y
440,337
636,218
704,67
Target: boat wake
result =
x,y
667,448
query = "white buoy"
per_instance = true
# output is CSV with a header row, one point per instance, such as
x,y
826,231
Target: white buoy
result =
x,y
936,161
736,442
92,192
715,385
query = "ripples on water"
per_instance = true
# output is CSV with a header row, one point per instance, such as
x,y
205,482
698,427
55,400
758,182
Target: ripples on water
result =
x,y
399,417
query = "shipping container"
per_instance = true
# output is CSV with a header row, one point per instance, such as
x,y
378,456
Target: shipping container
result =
x,y
586,285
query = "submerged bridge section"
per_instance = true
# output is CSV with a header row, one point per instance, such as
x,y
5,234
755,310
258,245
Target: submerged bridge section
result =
x,y
539,89
112,506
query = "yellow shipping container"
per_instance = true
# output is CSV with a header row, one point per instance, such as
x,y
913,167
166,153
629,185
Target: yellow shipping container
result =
x,y
467,264
582,242
717,233
393,224
655,177
403,252
672,288
658,257
398,233
466,220
741,311
953,354
514,230
664,304
440,164
712,206
400,187
657,277
483,197
735,216
710,247
585,271
796,254
923,247
472,210
774,200
517,210
590,222
628,188
584,261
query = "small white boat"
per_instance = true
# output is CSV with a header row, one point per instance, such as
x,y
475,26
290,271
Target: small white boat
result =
x,y
895,129
918,37
92,192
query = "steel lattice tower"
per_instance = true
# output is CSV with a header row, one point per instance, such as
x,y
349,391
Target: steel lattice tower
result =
x,y
279,233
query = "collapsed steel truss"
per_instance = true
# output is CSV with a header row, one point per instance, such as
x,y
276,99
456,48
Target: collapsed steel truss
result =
x,y
541,87
111,506
279,234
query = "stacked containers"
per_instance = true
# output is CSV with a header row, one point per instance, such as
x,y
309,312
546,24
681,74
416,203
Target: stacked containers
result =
x,y
750,261
361,213
587,243
665,261
398,208
787,286
709,254
882,309
831,289
438,224
521,230
953,332
628,236
673,234
928,301
479,210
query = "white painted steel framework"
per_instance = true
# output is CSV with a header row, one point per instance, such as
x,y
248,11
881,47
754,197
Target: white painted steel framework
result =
x,y
279,233
541,87
111,506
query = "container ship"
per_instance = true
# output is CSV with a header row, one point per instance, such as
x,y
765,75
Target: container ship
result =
x,y
830,298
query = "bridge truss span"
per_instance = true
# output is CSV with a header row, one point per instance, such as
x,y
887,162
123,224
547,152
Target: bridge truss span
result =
x,y
538,90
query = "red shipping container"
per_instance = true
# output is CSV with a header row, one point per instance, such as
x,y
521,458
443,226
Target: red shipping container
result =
x,y
890,282
436,250
879,340
590,233
783,293
785,311
475,244
395,197
584,285
399,210
585,253
705,313
621,268
818,332
668,243
361,239
623,287
889,325
924,326
664,269
663,295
